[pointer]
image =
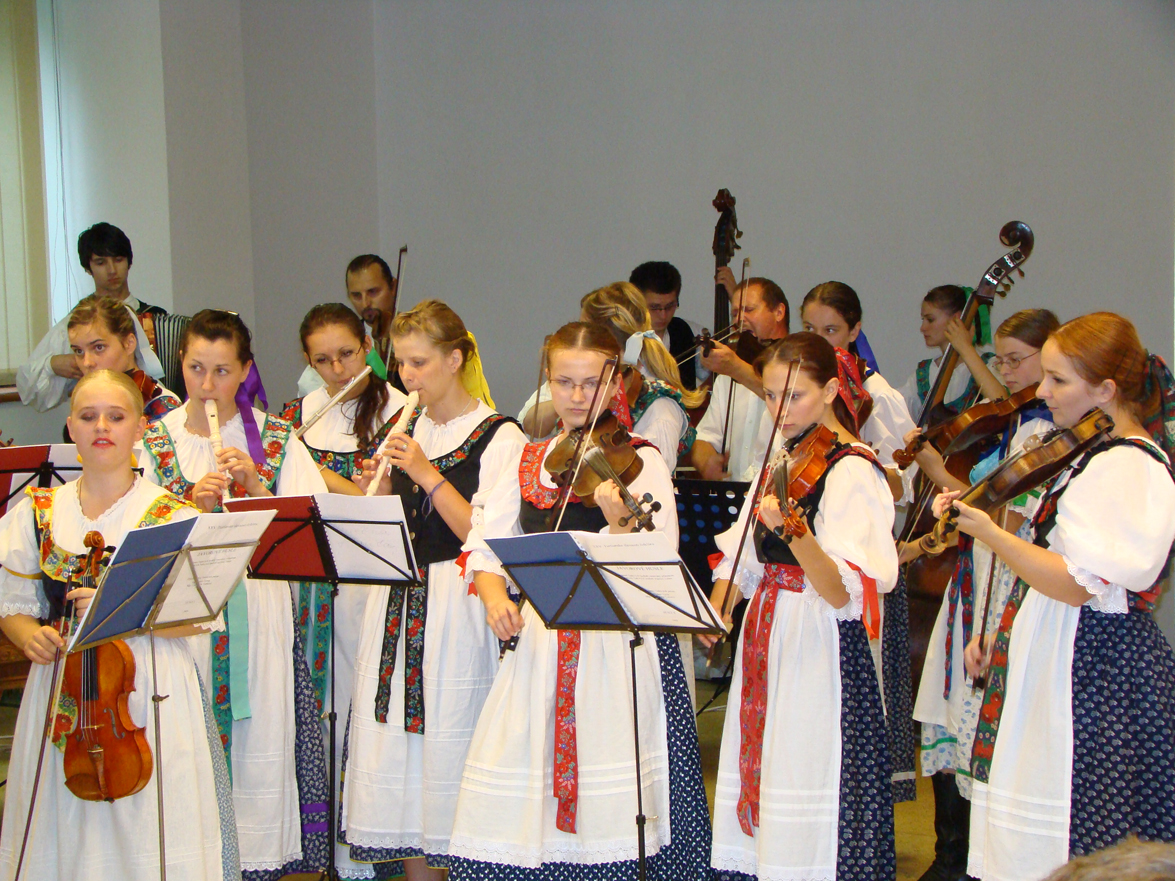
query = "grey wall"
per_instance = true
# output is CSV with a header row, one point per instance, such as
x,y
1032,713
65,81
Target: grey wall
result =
x,y
530,151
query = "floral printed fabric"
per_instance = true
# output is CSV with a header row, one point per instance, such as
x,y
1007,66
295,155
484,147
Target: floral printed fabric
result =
x,y
960,590
566,757
651,390
415,598
753,706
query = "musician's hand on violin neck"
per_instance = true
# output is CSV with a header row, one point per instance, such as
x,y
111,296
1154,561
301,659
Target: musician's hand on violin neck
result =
x,y
908,551
364,477
607,496
943,501
209,490
770,514
977,660
968,520
721,359
81,597
42,644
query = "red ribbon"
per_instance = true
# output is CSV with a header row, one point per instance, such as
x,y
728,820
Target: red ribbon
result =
x,y
566,754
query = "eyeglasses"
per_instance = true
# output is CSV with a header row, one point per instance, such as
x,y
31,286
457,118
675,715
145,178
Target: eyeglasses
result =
x,y
659,309
588,387
1011,361
346,358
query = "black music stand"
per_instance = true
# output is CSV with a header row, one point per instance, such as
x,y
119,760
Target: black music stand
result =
x,y
47,464
168,575
330,538
570,590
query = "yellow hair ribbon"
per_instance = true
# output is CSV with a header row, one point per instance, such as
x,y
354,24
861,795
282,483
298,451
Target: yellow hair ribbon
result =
x,y
474,379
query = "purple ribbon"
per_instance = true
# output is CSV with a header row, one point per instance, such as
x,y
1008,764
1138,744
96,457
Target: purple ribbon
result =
x,y
866,352
248,390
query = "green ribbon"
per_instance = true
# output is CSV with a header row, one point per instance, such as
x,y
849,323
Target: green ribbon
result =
x,y
377,365
236,615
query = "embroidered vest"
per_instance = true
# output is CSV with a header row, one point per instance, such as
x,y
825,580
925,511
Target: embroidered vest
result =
x,y
158,441
651,390
344,464
432,539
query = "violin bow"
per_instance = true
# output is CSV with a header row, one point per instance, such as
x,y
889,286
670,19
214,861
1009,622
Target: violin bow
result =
x,y
736,322
594,410
400,261
757,496
538,389
67,625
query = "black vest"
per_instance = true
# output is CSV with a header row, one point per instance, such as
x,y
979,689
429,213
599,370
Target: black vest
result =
x,y
769,547
578,516
432,539
681,343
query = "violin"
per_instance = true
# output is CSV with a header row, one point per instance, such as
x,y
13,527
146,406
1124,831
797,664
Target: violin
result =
x,y
969,427
1041,459
608,452
106,754
796,469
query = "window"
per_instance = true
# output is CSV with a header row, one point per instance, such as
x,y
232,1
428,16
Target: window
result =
x,y
24,286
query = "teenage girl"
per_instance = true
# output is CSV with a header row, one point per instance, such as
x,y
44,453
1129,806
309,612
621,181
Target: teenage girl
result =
x,y
947,704
1075,747
426,656
41,546
262,697
549,789
804,775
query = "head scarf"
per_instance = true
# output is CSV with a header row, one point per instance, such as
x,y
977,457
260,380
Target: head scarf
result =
x,y
248,390
852,389
865,351
473,378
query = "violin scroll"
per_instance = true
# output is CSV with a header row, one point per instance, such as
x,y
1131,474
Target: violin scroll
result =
x,y
794,525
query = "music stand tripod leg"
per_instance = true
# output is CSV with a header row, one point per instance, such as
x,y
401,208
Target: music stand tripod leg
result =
x,y
636,641
156,700
331,871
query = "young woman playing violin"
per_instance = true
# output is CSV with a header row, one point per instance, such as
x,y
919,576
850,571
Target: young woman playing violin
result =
x,y
41,548
103,335
833,311
511,822
803,775
262,698
655,395
947,705
336,345
426,655
1076,741
942,325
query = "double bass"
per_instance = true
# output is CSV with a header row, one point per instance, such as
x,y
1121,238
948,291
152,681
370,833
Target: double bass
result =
x,y
926,578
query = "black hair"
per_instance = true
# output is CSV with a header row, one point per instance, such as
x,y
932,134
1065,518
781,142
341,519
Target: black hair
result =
x,y
365,260
104,240
216,324
656,277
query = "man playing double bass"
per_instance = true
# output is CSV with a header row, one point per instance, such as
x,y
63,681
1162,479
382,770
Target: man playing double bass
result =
x,y
733,433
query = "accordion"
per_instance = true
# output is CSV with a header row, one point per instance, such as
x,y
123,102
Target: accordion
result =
x,y
169,330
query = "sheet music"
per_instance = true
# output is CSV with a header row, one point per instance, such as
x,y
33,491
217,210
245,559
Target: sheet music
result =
x,y
220,548
651,592
357,547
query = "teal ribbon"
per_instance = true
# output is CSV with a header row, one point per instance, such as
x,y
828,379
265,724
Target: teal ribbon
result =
x,y
236,615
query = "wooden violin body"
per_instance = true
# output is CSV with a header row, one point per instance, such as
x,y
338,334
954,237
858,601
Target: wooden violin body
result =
x,y
797,469
969,427
106,754
1027,469
609,454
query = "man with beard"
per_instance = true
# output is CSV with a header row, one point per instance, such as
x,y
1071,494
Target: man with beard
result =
x,y
371,290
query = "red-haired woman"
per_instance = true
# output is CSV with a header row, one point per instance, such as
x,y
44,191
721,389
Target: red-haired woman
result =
x,y
1076,742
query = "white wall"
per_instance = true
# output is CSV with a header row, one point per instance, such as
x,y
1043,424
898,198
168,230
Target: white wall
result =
x,y
113,141
309,90
529,152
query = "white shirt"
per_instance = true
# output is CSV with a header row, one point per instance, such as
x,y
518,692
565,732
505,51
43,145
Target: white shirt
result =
x,y
335,431
749,431
42,389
